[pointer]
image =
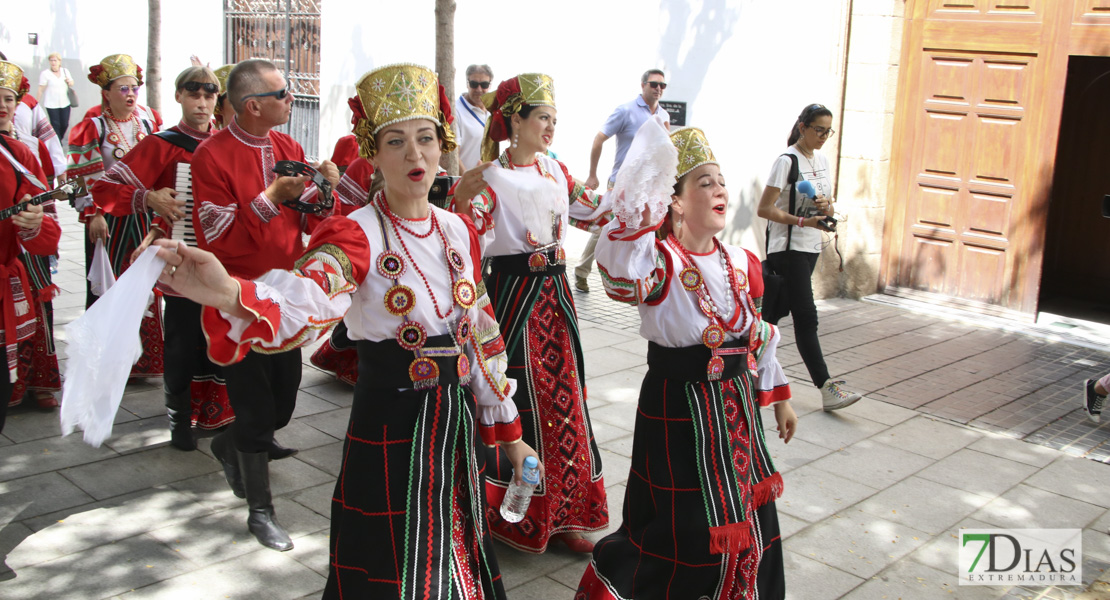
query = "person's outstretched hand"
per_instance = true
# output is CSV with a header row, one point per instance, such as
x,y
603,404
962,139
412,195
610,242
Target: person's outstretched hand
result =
x,y
199,276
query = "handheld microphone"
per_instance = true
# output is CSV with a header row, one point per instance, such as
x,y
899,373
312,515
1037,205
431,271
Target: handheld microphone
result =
x,y
806,188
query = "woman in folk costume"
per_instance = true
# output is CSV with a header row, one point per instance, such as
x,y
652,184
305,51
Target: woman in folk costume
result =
x,y
408,516
95,145
39,376
30,229
699,518
223,112
523,234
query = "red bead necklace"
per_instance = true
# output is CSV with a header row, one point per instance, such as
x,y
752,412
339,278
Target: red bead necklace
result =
x,y
397,228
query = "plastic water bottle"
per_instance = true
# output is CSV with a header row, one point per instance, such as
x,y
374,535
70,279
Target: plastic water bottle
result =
x,y
519,495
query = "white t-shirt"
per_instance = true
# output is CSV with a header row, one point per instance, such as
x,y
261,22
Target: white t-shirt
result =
x,y
470,123
54,96
803,239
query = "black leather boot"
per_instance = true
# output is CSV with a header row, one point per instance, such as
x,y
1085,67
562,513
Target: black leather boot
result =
x,y
223,448
262,521
179,407
278,452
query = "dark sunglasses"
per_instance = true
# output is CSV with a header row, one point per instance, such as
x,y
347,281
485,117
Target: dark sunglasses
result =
x,y
479,84
657,84
194,86
279,94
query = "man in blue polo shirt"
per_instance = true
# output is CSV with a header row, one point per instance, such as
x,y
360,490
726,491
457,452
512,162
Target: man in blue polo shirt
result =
x,y
623,123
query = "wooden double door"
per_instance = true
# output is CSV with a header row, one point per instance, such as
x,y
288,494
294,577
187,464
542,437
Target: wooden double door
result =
x,y
980,99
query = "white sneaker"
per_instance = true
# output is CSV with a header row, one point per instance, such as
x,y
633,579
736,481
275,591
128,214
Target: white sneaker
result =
x,y
834,397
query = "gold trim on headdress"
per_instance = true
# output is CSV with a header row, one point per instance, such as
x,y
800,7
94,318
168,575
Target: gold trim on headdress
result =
x,y
113,67
533,89
11,76
693,150
396,93
221,77
536,89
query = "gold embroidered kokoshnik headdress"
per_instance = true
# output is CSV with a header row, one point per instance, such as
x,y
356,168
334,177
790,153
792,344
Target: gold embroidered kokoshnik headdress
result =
x,y
693,150
221,77
532,89
113,67
11,77
396,93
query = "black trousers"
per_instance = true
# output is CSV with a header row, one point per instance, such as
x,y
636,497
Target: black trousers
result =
x,y
185,344
796,269
262,389
59,120
6,386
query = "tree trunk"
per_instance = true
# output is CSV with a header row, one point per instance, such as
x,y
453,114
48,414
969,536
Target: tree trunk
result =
x,y
445,65
153,79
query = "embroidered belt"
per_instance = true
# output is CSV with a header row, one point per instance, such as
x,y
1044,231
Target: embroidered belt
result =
x,y
688,363
552,262
386,364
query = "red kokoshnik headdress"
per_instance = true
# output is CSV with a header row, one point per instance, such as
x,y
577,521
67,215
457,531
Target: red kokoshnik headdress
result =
x,y
532,89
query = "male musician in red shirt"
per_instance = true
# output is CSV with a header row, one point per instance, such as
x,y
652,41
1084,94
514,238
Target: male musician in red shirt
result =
x,y
240,218
142,181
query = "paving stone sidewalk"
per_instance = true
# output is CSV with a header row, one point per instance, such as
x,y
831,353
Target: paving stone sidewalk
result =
x,y
875,494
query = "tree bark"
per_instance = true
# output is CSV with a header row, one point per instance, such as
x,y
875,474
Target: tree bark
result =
x,y
153,77
445,65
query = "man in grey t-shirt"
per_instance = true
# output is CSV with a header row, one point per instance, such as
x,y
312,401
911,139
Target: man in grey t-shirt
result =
x,y
623,123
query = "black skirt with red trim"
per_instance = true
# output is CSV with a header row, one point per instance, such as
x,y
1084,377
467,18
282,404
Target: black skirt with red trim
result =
x,y
408,512
678,538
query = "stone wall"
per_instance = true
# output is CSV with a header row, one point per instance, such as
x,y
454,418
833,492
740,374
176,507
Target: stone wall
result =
x,y
864,140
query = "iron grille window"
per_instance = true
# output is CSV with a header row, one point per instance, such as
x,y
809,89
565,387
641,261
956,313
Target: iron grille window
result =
x,y
286,32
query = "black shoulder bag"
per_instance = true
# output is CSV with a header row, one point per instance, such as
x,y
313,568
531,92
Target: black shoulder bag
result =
x,y
776,301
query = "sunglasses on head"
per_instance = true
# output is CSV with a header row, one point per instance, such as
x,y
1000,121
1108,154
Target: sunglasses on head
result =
x,y
278,94
127,89
657,84
479,84
194,86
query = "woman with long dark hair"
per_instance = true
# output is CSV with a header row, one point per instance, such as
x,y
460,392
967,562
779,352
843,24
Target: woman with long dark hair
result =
x,y
795,239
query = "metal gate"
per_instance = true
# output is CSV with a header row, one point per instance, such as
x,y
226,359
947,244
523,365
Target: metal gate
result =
x,y
288,33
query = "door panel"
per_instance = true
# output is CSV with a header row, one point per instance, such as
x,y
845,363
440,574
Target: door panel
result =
x,y
974,117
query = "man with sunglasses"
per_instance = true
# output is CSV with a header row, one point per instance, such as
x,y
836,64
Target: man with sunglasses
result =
x,y
240,217
471,115
143,182
623,123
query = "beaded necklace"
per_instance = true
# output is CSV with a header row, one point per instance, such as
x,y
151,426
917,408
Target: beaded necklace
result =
x,y
115,133
400,300
713,336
